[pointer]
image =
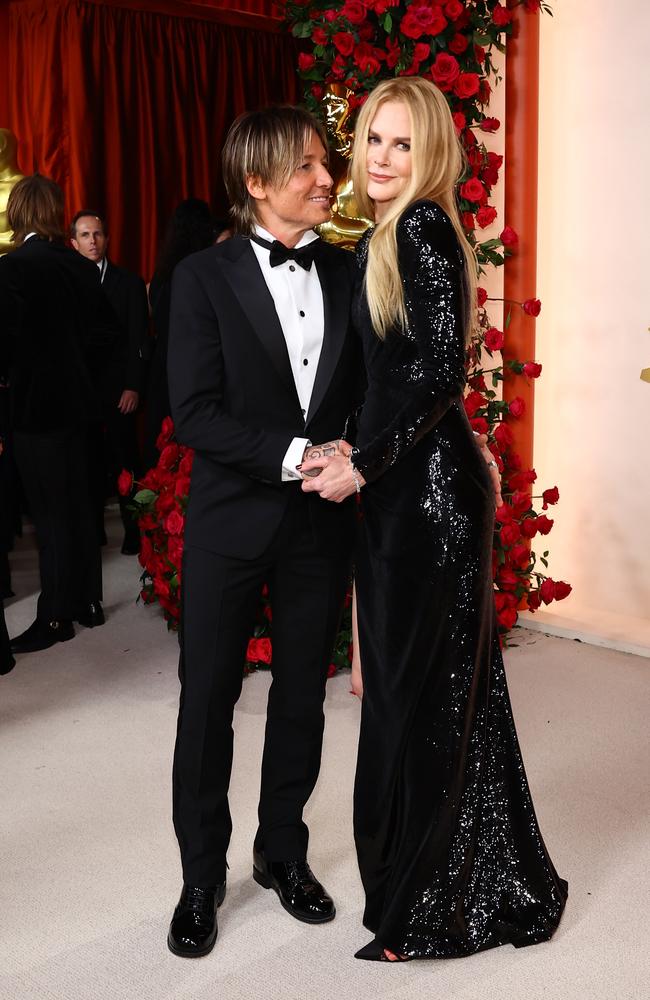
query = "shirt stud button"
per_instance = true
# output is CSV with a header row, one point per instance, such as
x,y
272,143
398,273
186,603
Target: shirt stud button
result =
x,y
305,362
302,313
291,267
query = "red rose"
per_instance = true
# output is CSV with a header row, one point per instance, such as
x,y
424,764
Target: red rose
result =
x,y
458,44
480,425
517,407
330,15
490,169
175,550
161,587
168,456
365,58
381,6
510,533
353,11
481,296
472,190
561,590
466,85
494,339
474,401
531,369
550,496
520,501
504,513
503,436
444,71
507,618
544,524
520,480
547,590
317,90
259,650
490,125
166,431
532,5
532,307
174,523
124,483
478,382
344,42
306,61
507,579
468,221
459,121
453,9
509,237
422,20
479,53
529,527
421,51
501,16
485,216
534,600
319,36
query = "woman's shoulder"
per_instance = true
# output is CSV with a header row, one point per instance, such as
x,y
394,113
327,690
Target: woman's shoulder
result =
x,y
425,224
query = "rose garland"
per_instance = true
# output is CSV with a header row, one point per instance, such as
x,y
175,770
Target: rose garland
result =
x,y
360,42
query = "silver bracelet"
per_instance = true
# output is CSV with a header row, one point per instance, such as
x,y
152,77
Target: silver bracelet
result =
x,y
355,476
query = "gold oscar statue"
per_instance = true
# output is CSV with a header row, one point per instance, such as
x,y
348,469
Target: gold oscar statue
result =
x,y
347,224
9,176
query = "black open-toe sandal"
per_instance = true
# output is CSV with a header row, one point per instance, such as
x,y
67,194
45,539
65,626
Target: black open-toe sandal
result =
x,y
374,952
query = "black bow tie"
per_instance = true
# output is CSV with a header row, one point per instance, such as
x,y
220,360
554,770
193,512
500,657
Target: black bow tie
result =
x,y
278,253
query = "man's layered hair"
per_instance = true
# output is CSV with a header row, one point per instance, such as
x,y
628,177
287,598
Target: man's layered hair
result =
x,y
267,145
36,205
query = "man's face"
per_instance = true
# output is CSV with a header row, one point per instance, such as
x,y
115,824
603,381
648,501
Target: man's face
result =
x,y
304,202
90,239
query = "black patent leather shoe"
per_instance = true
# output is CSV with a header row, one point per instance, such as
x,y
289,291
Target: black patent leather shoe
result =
x,y
193,930
92,615
42,635
300,893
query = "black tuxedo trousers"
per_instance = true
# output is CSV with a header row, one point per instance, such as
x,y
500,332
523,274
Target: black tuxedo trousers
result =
x,y
221,595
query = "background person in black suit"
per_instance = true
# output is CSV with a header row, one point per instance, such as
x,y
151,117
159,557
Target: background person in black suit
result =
x,y
121,381
261,361
56,326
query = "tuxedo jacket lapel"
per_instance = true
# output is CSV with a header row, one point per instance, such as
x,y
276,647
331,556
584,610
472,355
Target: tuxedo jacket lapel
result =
x,y
336,307
241,270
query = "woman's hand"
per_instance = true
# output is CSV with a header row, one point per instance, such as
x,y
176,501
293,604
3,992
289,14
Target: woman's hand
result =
x,y
481,440
335,478
356,678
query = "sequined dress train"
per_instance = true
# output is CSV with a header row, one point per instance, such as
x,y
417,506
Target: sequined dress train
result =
x,y
449,848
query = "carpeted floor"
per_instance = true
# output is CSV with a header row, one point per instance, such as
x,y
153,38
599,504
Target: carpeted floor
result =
x,y
89,870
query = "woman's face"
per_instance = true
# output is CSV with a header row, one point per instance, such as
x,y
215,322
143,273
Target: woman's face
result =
x,y
388,157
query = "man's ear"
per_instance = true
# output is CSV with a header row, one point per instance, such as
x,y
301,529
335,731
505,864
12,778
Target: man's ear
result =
x,y
255,187
74,243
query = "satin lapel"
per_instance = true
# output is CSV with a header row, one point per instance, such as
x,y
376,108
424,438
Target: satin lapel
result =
x,y
336,305
243,274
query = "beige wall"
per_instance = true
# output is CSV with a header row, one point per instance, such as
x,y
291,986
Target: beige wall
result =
x,y
592,411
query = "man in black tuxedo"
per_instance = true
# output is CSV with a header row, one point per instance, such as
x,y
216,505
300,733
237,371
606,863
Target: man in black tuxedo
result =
x,y
261,363
56,327
120,382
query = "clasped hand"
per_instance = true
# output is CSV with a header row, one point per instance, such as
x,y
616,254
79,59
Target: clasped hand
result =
x,y
326,469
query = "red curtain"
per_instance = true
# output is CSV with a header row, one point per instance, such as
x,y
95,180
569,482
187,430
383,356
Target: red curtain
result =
x,y
127,107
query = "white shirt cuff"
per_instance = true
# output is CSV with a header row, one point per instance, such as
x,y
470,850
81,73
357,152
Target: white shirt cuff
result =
x,y
292,458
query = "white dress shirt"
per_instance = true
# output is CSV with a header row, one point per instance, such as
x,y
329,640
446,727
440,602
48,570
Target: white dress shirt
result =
x,y
298,300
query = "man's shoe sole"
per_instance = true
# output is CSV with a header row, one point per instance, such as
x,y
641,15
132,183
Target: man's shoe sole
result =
x,y
268,883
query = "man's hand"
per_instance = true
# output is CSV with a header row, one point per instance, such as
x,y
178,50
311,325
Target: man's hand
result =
x,y
333,479
481,440
316,451
128,401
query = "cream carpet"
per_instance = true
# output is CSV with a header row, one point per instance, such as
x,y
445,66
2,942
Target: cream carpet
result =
x,y
89,871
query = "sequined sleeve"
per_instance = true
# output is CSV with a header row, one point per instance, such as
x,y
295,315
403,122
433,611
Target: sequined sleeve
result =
x,y
431,265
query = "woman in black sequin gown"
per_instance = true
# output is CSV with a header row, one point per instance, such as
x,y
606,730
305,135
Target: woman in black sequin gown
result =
x,y
450,852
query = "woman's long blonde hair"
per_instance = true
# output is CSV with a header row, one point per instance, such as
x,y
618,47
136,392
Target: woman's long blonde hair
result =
x,y
437,163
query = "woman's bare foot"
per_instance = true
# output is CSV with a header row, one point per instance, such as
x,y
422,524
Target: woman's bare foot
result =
x,y
392,957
